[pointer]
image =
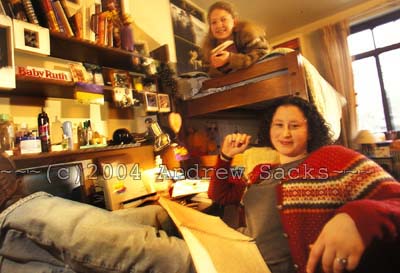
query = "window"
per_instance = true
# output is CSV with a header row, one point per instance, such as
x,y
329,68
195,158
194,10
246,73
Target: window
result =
x,y
375,48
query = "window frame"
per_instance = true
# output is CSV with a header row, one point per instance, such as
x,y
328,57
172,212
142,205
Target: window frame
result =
x,y
370,24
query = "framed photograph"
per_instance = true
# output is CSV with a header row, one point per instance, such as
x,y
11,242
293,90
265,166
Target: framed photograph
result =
x,y
123,97
7,66
164,104
120,78
150,102
78,72
31,38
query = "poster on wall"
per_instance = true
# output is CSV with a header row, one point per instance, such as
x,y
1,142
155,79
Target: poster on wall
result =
x,y
189,31
187,56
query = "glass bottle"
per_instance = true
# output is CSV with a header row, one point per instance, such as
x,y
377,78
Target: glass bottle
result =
x,y
44,131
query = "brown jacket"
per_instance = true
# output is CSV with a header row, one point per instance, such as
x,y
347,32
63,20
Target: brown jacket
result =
x,y
251,44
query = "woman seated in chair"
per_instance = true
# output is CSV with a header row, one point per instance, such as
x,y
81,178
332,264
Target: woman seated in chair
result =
x,y
323,208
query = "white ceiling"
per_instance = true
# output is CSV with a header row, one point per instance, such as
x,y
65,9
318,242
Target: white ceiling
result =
x,y
280,16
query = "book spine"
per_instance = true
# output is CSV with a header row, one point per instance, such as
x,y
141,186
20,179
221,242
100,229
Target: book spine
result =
x,y
63,18
51,17
106,23
101,29
30,12
69,15
110,30
94,21
58,17
65,7
90,14
77,19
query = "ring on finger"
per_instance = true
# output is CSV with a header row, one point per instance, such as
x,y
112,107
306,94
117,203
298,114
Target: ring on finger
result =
x,y
342,261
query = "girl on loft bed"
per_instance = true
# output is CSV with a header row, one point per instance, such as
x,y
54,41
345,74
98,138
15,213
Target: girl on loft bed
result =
x,y
323,208
231,44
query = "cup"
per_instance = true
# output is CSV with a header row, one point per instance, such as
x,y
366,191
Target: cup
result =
x,y
67,130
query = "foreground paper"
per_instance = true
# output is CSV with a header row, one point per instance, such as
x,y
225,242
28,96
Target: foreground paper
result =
x,y
214,246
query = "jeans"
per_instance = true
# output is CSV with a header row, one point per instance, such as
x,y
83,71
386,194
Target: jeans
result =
x,y
43,233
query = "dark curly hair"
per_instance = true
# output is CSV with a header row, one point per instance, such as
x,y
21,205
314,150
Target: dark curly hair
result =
x,y
318,130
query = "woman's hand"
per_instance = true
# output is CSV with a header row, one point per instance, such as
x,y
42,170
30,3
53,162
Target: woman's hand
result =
x,y
339,246
235,144
219,59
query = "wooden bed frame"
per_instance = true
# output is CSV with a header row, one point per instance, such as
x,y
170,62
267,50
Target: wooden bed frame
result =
x,y
291,82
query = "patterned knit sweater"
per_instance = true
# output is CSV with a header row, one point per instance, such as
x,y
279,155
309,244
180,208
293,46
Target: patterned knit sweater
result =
x,y
331,180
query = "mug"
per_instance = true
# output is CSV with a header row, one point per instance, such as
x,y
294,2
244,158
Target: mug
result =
x,y
67,129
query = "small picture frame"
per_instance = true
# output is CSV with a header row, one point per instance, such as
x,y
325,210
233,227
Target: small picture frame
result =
x,y
123,97
7,64
31,38
78,72
150,102
164,104
119,78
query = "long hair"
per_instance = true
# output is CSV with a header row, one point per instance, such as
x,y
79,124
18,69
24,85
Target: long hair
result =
x,y
210,42
319,133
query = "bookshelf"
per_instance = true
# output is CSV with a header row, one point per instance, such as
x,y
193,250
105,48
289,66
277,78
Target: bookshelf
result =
x,y
31,91
79,50
74,49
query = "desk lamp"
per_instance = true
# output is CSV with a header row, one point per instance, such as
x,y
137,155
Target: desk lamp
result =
x,y
367,141
161,139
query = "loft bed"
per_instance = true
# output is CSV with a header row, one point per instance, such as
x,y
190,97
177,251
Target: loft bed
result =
x,y
280,76
282,73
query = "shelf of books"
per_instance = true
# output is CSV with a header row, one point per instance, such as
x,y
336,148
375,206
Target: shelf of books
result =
x,y
89,37
80,31
79,50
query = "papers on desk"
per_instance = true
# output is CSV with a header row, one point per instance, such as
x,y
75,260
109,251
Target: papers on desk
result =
x,y
189,186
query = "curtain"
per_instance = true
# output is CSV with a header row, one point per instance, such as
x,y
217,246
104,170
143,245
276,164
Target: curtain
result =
x,y
340,74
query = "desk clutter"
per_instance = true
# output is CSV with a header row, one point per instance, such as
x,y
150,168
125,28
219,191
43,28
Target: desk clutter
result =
x,y
148,185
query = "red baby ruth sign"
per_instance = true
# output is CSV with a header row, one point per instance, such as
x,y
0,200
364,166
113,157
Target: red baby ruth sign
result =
x,y
43,73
